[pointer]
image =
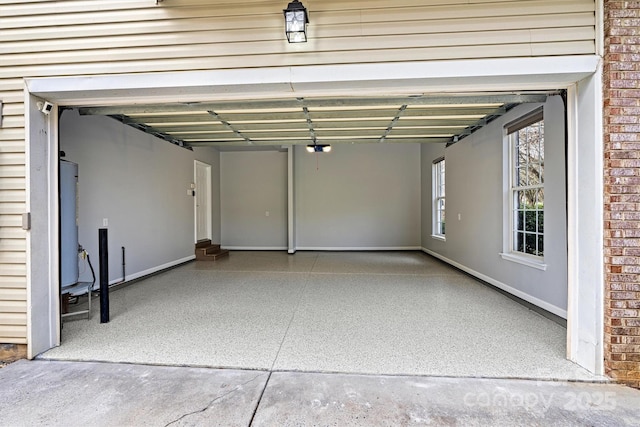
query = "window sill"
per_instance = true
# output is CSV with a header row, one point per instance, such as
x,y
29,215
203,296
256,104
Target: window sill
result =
x,y
439,237
529,262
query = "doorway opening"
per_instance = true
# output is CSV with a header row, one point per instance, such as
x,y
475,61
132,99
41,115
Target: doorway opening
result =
x,y
202,200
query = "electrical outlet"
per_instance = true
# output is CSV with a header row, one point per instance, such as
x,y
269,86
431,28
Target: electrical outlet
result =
x,y
266,213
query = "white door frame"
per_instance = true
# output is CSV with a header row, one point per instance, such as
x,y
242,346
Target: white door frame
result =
x,y
580,75
199,197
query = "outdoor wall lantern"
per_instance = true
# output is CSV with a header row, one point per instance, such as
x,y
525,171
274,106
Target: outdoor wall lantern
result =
x,y
295,22
318,148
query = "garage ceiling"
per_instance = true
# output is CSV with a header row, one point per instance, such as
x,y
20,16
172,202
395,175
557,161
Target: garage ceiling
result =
x,y
269,124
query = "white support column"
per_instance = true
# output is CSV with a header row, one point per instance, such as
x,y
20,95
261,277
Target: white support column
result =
x,y
585,323
43,269
291,217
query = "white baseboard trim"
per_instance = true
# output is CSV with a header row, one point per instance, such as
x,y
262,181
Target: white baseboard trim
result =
x,y
523,295
152,270
255,248
379,248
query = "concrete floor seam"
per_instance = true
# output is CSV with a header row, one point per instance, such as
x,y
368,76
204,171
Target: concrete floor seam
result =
x,y
598,380
214,400
257,406
327,273
293,315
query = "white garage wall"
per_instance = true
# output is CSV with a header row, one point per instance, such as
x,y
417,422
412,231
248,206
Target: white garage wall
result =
x,y
358,196
252,184
474,186
139,183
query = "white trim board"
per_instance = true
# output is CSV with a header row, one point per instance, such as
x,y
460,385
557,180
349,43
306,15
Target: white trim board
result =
x,y
152,270
358,248
254,248
513,291
515,74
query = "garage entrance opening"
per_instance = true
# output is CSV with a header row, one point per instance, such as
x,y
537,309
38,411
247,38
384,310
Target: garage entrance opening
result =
x,y
372,192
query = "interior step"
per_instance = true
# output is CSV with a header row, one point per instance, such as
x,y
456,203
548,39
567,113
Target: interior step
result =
x,y
206,251
203,243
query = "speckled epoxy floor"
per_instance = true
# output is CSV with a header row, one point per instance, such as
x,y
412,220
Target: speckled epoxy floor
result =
x,y
397,313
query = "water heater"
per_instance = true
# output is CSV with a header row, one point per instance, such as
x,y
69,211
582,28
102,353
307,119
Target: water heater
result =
x,y
68,223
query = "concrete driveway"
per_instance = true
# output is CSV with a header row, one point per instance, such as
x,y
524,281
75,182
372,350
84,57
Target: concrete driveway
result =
x,y
53,393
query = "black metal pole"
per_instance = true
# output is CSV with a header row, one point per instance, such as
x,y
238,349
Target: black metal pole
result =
x,y
103,252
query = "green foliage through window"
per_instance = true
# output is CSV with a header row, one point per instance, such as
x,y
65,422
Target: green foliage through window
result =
x,y
527,187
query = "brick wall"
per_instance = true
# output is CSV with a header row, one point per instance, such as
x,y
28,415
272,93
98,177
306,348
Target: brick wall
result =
x,y
622,190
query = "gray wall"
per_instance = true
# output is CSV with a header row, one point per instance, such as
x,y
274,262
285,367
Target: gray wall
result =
x,y
252,184
139,183
358,196
475,190
355,197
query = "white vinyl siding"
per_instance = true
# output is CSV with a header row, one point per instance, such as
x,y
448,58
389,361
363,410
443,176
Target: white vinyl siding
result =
x,y
13,280
97,37
138,36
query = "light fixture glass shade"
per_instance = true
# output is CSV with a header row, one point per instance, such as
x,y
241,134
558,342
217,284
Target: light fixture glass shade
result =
x,y
318,148
295,22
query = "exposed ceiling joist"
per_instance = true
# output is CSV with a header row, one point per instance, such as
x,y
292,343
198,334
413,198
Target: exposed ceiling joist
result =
x,y
222,107
312,132
481,123
230,127
451,112
305,141
389,128
151,130
277,122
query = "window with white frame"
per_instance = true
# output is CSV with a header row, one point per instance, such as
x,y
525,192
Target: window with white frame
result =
x,y
438,198
526,148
